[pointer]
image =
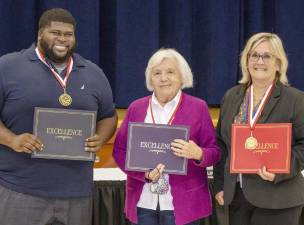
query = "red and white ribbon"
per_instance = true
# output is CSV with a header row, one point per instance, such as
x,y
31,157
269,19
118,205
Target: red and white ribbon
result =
x,y
252,119
61,81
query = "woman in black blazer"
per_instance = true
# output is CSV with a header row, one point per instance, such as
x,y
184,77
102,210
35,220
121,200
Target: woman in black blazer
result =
x,y
263,198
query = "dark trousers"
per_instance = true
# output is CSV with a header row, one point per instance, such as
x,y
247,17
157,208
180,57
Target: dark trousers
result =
x,y
242,212
21,209
157,217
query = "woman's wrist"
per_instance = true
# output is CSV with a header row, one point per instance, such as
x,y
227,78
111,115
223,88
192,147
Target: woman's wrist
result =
x,y
147,176
199,155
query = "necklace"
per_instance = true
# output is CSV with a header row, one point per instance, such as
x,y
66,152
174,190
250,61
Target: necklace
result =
x,y
173,114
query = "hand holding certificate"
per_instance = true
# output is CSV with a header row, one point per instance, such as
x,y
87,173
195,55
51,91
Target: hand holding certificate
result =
x,y
271,148
63,133
254,146
150,144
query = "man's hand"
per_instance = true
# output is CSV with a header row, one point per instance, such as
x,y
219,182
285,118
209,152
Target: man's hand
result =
x,y
93,144
105,128
26,143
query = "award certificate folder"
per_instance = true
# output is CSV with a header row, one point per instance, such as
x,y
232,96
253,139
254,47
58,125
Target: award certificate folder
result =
x,y
150,144
267,145
63,133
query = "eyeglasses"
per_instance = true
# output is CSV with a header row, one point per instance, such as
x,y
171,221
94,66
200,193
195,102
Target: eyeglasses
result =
x,y
266,57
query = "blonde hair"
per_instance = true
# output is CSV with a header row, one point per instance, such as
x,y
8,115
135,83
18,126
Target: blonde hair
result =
x,y
169,53
279,52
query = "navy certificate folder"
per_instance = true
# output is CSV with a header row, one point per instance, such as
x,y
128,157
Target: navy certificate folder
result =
x,y
63,133
150,144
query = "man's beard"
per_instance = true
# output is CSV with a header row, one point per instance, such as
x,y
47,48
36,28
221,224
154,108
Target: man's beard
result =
x,y
49,53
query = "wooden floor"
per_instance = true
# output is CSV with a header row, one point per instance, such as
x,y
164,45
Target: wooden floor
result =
x,y
104,156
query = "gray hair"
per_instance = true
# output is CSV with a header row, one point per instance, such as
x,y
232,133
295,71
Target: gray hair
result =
x,y
169,53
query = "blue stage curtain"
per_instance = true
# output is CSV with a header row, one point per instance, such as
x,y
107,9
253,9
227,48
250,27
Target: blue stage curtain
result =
x,y
121,35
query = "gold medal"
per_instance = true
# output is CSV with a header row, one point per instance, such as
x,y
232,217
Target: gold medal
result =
x,y
251,143
65,99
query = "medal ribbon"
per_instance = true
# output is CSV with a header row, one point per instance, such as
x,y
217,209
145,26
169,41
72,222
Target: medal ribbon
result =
x,y
173,114
56,75
252,120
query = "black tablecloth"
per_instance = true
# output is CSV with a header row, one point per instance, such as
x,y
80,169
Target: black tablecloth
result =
x,y
109,204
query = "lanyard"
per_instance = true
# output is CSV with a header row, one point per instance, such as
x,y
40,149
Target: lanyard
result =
x,y
252,119
55,74
173,114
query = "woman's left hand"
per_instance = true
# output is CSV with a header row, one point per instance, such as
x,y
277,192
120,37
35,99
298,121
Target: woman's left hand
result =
x,y
188,150
265,175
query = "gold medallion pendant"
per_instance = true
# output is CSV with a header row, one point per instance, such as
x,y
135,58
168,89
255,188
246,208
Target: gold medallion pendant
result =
x,y
65,99
251,143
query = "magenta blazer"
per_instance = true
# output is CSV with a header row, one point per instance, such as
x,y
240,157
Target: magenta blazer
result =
x,y
191,197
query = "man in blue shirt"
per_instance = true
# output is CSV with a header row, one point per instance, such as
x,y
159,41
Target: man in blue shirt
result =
x,y
48,191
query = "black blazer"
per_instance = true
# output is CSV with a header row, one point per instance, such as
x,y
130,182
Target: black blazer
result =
x,y
285,105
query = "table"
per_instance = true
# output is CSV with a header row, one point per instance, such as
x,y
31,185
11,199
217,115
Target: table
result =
x,y
109,195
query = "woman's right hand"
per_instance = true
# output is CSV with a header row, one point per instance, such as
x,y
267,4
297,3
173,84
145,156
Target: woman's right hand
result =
x,y
154,174
220,197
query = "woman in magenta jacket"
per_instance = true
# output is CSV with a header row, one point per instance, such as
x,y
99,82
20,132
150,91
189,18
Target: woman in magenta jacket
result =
x,y
186,199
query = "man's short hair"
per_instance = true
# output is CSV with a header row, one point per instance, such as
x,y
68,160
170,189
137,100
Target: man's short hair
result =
x,y
56,15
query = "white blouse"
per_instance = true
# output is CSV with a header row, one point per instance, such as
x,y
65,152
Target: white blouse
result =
x,y
161,115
